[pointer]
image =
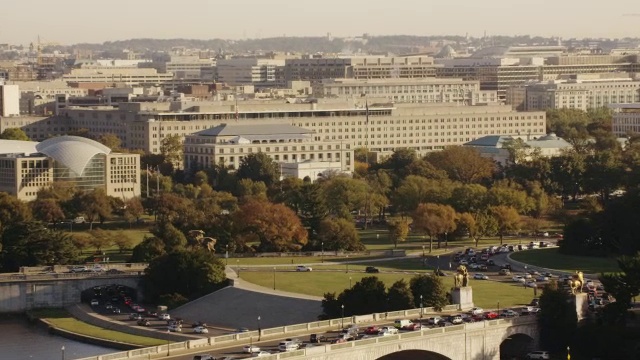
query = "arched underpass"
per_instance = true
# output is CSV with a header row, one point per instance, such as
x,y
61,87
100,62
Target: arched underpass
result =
x,y
516,346
114,293
414,354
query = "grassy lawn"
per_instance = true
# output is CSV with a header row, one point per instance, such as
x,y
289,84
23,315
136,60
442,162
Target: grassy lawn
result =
x,y
61,319
552,259
486,294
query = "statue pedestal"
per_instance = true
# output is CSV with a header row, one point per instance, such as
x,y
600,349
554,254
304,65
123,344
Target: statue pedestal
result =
x,y
463,296
581,301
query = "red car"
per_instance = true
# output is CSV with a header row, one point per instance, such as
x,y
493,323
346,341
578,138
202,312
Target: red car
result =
x,y
413,326
372,330
491,315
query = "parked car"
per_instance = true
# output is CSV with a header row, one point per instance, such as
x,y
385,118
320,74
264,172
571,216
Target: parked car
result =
x,y
531,284
250,349
200,330
303,268
529,310
317,338
434,320
479,276
414,327
79,269
371,269
144,322
490,262
538,355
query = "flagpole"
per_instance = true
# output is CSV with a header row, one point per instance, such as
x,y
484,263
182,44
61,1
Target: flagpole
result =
x,y
366,133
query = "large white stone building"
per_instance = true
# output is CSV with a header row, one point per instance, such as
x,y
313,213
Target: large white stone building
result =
x,y
28,167
626,119
229,143
493,146
9,100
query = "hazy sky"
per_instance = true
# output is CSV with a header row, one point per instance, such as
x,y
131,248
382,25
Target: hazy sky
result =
x,y
73,21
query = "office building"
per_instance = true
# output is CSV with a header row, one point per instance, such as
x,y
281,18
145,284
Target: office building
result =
x,y
626,119
421,90
27,167
188,67
117,75
493,146
9,100
288,145
250,71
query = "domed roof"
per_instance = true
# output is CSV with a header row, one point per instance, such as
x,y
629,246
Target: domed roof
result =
x,y
74,152
447,52
17,147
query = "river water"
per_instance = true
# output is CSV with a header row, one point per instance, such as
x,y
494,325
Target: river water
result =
x,y
21,341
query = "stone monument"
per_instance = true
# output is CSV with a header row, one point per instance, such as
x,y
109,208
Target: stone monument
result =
x,y
461,293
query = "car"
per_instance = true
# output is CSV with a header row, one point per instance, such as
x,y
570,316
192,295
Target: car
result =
x,y
164,316
108,306
542,278
198,323
476,311
474,266
79,269
414,327
518,278
388,330
115,310
338,340
114,271
506,266
318,338
261,354
444,323
490,315
531,284
549,275
371,269
491,262
95,302
479,276
144,322
134,316
534,302
203,357
456,319
250,349
372,330
434,320
241,330
200,330
529,310
483,267
174,328
303,268
538,355
464,262
140,309
504,272
509,313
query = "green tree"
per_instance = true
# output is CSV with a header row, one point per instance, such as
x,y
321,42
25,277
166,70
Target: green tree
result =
x,y
100,238
133,209
416,189
558,319
313,207
190,274
111,141
14,134
463,164
400,296
171,150
94,205
485,226
122,241
507,219
367,296
172,237
430,289
339,234
247,188
149,249
344,195
259,167
434,220
469,198
398,231
623,286
12,211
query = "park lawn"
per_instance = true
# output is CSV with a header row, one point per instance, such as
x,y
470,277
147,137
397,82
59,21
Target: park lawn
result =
x,y
63,320
486,294
295,260
553,259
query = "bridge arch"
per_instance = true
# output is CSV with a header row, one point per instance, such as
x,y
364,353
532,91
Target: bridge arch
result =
x,y
414,354
115,293
517,346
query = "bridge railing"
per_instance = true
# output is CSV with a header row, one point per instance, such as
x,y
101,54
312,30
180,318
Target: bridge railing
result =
x,y
323,325
62,276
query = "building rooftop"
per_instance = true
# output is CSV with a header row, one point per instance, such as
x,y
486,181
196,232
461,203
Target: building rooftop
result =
x,y
247,131
74,152
18,147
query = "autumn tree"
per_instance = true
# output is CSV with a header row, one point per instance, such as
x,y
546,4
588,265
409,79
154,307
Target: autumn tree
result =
x,y
47,210
398,231
339,234
275,226
111,141
434,220
485,225
133,209
14,134
507,219
100,239
122,241
259,167
462,163
416,189
12,211
94,205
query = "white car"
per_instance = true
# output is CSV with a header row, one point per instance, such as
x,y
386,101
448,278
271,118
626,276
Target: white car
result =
x,y
303,268
164,316
544,355
531,284
261,354
476,311
174,328
388,330
250,349
542,278
200,330
519,279
480,277
464,262
527,276
434,320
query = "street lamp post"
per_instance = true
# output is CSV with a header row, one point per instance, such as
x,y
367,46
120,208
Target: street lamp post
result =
x,y
274,278
446,240
438,263
498,308
238,267
420,308
568,353
322,253
259,330
349,282
62,349
342,318
226,254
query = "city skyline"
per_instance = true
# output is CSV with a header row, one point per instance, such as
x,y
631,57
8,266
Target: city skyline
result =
x,y
201,19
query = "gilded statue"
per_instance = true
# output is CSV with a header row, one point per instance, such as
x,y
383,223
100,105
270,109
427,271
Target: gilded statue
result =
x,y
198,240
461,278
576,282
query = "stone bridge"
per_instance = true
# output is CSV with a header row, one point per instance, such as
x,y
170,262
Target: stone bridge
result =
x,y
20,292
